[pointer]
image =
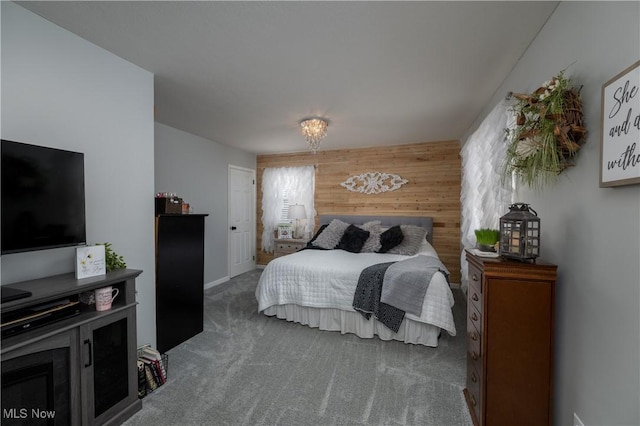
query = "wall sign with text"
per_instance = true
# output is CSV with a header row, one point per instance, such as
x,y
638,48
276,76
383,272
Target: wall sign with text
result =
x,y
620,144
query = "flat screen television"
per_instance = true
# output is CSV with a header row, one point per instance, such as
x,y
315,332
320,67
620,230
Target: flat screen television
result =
x,y
43,199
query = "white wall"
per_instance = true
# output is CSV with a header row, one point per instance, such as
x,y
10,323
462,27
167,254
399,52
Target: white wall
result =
x,y
592,234
197,170
61,91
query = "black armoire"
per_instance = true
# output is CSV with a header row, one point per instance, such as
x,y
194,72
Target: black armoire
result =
x,y
179,278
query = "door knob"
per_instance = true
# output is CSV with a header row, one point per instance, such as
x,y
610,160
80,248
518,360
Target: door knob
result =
x,y
233,228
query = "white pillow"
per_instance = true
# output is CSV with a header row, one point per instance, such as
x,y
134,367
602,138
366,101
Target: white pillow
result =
x,y
413,237
372,244
427,249
330,237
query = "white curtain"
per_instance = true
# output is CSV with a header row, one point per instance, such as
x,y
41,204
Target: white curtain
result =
x,y
483,196
285,186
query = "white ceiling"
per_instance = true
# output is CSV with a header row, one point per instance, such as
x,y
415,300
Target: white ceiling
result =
x,y
245,73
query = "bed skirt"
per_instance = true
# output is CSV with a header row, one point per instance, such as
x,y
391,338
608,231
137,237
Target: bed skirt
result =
x,y
352,322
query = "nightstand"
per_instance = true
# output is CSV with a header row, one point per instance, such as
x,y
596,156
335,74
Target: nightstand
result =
x,y
286,246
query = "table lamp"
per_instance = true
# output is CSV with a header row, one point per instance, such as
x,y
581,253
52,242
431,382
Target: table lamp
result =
x,y
297,212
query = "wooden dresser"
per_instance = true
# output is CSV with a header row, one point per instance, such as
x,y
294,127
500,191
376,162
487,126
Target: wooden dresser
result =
x,y
510,310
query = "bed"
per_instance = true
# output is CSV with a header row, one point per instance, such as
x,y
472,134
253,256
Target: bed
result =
x,y
316,287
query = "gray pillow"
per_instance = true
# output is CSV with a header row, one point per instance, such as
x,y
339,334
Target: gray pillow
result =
x,y
330,237
372,244
413,237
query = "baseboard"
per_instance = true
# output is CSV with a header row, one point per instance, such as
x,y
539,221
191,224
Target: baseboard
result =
x,y
261,266
216,282
454,285
125,413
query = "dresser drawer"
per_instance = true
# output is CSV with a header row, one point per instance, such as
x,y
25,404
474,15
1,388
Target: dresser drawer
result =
x,y
474,387
474,347
474,317
475,288
288,247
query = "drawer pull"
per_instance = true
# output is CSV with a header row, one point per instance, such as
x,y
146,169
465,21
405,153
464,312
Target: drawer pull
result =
x,y
474,277
474,379
474,336
473,401
475,297
474,355
474,316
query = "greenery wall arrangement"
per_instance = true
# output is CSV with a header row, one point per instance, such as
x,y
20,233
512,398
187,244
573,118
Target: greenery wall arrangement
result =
x,y
549,132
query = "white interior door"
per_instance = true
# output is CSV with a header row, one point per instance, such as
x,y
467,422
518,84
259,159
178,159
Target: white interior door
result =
x,y
242,222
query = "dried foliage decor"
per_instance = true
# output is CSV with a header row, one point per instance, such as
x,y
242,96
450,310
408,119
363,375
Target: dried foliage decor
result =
x,y
548,134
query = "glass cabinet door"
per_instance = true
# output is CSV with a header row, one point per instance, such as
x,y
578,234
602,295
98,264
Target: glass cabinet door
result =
x,y
108,364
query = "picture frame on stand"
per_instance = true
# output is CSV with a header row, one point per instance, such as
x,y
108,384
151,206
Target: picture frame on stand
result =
x,y
285,231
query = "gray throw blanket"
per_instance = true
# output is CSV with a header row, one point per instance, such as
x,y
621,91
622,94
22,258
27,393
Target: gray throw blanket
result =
x,y
406,282
366,299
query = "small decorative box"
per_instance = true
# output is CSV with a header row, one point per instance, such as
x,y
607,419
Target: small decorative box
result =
x,y
168,205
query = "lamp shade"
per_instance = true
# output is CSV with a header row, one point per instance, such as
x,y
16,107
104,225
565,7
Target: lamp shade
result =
x,y
297,211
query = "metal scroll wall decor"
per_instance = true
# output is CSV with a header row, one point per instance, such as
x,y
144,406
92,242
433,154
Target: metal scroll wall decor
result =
x,y
373,182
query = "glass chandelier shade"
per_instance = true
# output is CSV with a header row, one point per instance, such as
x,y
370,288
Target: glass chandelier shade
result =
x,y
314,130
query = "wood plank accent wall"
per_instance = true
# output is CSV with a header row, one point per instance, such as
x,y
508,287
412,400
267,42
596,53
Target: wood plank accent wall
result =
x,y
433,170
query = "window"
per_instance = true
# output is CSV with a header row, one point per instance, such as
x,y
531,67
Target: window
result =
x,y
484,197
282,187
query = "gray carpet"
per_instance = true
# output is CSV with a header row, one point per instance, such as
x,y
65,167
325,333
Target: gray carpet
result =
x,y
249,369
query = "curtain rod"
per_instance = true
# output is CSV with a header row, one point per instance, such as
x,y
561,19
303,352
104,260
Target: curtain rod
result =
x,y
315,166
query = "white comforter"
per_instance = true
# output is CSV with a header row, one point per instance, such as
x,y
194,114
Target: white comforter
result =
x,y
328,279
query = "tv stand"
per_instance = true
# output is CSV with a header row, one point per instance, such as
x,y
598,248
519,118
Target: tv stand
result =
x,y
100,384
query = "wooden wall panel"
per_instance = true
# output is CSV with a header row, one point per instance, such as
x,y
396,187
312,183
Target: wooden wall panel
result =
x,y
433,170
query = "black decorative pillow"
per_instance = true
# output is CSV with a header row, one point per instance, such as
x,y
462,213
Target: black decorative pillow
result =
x,y
353,239
390,238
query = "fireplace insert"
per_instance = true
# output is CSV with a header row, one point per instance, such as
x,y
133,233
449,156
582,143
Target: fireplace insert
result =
x,y
36,389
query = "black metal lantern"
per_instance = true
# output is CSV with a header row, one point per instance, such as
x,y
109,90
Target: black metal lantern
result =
x,y
520,233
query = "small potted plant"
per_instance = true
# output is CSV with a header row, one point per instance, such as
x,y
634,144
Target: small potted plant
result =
x,y
487,239
112,259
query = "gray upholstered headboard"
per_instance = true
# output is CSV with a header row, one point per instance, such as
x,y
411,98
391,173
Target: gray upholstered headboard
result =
x,y
386,221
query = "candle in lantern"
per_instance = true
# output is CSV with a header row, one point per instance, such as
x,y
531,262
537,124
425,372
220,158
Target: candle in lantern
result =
x,y
514,246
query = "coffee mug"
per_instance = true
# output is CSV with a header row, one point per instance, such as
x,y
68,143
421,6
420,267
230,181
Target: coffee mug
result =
x,y
104,297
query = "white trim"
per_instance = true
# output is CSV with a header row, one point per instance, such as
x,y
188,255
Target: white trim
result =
x,y
217,282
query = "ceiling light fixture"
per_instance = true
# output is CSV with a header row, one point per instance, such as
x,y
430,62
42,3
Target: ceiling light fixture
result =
x,y
314,130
